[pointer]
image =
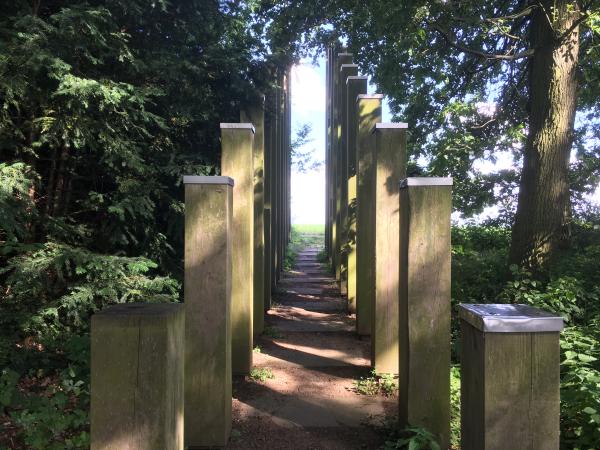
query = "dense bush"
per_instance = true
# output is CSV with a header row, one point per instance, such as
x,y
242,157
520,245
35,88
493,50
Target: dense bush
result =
x,y
570,287
104,105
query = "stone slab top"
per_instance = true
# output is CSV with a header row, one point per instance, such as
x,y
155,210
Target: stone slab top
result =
x,y
347,66
369,97
425,181
345,54
200,179
243,126
505,318
390,126
355,78
140,309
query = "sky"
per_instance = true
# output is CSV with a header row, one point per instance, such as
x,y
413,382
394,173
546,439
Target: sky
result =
x,y
308,107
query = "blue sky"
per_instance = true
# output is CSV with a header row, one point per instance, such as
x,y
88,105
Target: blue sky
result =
x,y
308,106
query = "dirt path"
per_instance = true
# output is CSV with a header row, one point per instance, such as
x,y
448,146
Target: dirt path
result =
x,y
314,356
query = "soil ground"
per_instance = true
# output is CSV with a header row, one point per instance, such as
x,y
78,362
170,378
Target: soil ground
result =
x,y
314,354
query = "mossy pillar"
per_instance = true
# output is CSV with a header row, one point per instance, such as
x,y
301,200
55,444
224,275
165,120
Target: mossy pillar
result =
x,y
268,174
368,113
424,394
510,377
237,162
346,70
336,149
389,168
356,85
255,115
207,296
137,375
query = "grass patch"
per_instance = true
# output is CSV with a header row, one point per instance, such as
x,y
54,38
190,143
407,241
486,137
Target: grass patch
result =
x,y
261,374
272,332
385,384
309,228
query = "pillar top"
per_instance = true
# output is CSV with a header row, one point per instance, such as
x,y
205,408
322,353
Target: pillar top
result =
x,y
503,318
195,179
140,309
369,97
390,126
347,66
241,126
350,78
425,181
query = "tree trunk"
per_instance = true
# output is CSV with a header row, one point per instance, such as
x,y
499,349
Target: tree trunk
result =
x,y
543,211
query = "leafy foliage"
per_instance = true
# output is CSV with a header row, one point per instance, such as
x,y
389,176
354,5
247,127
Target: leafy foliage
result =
x,y
261,374
383,383
570,287
103,107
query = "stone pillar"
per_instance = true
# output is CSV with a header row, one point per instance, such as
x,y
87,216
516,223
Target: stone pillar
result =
x,y
207,295
356,86
368,113
255,115
336,149
510,376
327,241
137,367
389,168
424,394
268,174
274,190
267,267
346,70
237,140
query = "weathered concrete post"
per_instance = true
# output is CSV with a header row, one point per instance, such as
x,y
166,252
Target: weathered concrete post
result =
x,y
510,376
390,167
368,112
267,266
424,382
336,149
268,174
207,295
346,70
237,162
255,115
357,85
137,367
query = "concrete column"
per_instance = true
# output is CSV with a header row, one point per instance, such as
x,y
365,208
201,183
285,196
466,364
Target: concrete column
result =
x,y
327,146
425,208
274,190
341,59
267,197
356,86
390,167
137,368
368,113
237,162
347,70
267,278
207,295
255,115
510,377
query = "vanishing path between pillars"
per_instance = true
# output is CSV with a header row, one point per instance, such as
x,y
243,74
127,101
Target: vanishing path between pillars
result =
x,y
314,355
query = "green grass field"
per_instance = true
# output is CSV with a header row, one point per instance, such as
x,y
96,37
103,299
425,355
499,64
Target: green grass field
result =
x,y
309,228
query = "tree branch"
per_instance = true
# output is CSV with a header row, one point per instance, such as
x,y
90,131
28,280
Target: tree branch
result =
x,y
454,43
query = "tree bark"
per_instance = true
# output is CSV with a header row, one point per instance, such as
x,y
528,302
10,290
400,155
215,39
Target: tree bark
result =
x,y
543,211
